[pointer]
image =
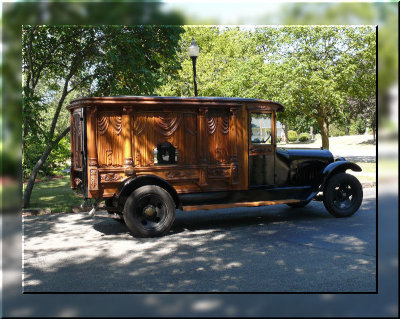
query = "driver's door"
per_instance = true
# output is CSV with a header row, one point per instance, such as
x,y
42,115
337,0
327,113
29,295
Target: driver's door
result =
x,y
262,146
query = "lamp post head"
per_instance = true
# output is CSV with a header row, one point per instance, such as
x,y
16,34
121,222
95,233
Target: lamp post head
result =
x,y
193,49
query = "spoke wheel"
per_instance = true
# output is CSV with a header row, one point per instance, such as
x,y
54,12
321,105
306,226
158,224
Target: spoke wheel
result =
x,y
149,211
343,195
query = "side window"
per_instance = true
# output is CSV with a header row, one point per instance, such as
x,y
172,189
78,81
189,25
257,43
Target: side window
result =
x,y
165,153
261,128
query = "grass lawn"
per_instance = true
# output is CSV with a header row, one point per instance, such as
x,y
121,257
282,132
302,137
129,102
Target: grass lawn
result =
x,y
54,194
368,173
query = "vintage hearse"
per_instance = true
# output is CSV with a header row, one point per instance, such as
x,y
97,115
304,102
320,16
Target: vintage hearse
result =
x,y
148,156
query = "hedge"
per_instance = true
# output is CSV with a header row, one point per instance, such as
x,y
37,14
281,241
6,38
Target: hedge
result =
x,y
292,136
304,137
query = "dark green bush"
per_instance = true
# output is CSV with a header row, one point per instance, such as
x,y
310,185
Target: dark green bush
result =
x,y
357,127
336,130
292,136
304,137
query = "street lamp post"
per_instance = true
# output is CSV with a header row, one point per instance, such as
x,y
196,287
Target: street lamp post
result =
x,y
194,53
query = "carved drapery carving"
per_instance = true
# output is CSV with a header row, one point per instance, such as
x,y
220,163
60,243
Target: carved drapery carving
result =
x,y
167,125
211,125
139,124
225,125
105,119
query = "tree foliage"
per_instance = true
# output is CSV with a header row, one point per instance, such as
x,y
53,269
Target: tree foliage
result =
x,y
68,61
315,72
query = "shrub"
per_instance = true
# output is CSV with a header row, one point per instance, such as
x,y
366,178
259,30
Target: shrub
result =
x,y
358,127
292,136
304,137
335,130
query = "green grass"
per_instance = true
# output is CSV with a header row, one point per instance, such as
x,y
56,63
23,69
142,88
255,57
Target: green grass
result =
x,y
367,167
54,194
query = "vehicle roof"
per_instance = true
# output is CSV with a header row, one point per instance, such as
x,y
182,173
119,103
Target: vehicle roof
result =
x,y
176,100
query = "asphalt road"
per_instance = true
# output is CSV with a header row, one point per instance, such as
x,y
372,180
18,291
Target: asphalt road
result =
x,y
263,249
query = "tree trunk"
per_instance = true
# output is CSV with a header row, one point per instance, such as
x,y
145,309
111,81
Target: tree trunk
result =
x,y
286,132
348,126
323,127
38,165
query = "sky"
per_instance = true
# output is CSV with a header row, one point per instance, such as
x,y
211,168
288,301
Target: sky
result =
x,y
225,12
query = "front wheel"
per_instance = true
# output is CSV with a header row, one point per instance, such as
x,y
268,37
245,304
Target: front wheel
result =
x,y
343,195
149,211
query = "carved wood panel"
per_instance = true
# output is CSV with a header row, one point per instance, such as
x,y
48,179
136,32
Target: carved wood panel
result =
x,y
152,129
189,153
218,139
109,139
77,140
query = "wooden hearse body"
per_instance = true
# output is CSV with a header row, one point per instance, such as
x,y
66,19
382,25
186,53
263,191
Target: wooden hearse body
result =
x,y
147,156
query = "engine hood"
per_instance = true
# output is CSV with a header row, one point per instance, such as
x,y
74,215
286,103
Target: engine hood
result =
x,y
300,166
298,154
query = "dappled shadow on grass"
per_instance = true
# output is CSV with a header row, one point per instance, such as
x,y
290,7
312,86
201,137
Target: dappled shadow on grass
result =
x,y
368,142
258,249
54,194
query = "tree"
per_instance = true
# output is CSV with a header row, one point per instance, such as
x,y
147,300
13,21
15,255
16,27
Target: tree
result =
x,y
322,67
312,71
59,61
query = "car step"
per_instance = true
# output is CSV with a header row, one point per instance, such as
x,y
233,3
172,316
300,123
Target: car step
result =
x,y
240,204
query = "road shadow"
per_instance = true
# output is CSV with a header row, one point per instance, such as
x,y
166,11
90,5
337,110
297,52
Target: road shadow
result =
x,y
362,159
206,251
221,219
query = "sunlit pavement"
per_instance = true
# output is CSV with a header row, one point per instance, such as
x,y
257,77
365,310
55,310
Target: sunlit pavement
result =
x,y
265,249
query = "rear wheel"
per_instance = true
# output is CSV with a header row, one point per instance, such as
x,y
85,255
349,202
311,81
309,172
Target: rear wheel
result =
x,y
343,195
149,211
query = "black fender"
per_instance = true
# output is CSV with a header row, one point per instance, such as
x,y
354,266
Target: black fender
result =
x,y
129,185
332,169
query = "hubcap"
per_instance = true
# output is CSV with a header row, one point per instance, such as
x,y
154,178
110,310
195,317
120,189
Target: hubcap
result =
x,y
151,211
343,196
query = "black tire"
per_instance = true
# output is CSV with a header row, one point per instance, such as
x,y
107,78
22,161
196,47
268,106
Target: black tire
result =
x,y
343,195
109,203
149,211
299,204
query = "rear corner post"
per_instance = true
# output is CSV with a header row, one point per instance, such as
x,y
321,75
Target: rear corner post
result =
x,y
93,166
127,131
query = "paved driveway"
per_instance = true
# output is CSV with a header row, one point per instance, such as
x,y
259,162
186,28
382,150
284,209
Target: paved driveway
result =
x,y
264,249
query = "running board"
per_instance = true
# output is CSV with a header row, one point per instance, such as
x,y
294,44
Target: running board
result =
x,y
240,204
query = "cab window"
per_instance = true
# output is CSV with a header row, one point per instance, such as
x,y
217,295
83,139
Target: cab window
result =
x,y
261,128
